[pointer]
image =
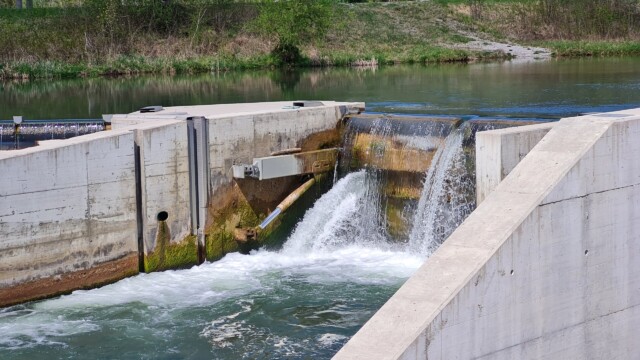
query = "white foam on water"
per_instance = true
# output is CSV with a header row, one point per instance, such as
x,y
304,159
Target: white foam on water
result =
x,y
327,340
23,329
346,218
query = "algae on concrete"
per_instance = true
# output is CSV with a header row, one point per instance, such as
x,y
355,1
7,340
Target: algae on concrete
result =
x,y
220,239
169,255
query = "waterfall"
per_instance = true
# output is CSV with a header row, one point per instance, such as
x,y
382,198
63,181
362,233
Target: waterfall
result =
x,y
447,196
344,216
353,213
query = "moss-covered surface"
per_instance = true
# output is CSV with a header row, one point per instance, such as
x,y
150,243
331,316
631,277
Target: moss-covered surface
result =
x,y
169,255
220,239
403,185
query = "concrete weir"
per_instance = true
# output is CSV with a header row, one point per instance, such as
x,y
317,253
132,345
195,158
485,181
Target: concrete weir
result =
x,y
547,266
155,192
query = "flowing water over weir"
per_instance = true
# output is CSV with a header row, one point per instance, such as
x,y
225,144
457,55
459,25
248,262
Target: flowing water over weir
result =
x,y
303,300
32,131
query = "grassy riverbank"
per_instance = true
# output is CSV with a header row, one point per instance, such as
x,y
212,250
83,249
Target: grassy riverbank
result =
x,y
109,37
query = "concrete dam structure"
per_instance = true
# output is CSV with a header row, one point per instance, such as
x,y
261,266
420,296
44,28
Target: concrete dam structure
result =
x,y
547,265
544,267
155,192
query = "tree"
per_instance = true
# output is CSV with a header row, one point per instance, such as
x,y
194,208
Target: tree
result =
x,y
293,23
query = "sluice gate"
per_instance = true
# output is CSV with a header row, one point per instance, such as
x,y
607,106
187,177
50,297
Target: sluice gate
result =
x,y
22,133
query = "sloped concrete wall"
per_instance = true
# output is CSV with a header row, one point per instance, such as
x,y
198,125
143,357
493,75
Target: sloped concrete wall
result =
x,y
68,216
548,266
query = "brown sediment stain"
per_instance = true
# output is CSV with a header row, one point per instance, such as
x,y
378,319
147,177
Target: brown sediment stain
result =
x,y
95,276
403,185
322,140
385,153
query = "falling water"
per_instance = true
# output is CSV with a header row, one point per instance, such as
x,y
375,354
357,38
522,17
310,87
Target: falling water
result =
x,y
447,196
338,219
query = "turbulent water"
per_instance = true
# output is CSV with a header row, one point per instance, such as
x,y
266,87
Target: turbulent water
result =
x,y
302,301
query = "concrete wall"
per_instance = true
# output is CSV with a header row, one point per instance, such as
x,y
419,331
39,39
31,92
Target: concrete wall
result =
x,y
67,216
239,139
164,167
548,266
499,151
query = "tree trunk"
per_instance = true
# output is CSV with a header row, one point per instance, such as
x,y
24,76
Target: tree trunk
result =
x,y
29,4
18,4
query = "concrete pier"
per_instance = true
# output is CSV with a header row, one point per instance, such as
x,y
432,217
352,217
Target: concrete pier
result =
x,y
155,192
547,266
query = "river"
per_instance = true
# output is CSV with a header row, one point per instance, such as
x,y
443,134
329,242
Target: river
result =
x,y
305,300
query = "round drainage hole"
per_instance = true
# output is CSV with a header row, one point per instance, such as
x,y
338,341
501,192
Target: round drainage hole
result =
x,y
162,216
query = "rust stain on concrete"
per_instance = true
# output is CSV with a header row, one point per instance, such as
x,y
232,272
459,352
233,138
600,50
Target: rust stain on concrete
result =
x,y
98,275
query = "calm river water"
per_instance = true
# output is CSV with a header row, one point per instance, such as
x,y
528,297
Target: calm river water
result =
x,y
305,300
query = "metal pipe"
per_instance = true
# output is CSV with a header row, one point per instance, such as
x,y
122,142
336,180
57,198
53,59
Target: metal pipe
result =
x,y
286,151
287,202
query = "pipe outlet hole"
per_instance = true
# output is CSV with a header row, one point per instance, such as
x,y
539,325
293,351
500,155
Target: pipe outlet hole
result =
x,y
512,272
162,216
586,252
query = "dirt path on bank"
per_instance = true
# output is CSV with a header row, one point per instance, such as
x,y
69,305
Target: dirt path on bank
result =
x,y
519,52
481,42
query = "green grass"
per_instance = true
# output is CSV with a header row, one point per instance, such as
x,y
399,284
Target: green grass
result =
x,y
593,48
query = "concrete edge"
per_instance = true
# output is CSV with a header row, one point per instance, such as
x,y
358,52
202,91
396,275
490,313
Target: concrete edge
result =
x,y
518,129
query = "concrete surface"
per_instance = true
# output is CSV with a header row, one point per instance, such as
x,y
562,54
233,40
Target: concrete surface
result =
x,y
164,167
499,151
547,267
240,138
67,215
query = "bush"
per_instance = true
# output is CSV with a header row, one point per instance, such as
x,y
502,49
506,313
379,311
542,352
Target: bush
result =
x,y
293,22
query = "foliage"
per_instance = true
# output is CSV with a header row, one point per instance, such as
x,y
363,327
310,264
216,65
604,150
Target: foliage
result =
x,y
293,23
581,18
